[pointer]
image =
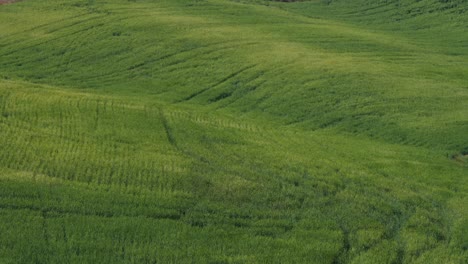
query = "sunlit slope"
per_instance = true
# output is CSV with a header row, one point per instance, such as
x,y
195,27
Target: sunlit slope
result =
x,y
438,24
225,132
315,73
156,182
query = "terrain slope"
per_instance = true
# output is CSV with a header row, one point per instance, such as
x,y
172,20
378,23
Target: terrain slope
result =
x,y
222,131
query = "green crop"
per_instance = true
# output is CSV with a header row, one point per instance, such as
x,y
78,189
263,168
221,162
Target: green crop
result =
x,y
222,131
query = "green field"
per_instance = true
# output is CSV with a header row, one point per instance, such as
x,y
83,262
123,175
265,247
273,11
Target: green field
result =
x,y
234,131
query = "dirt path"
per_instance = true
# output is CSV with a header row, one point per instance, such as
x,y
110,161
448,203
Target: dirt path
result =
x,y
2,2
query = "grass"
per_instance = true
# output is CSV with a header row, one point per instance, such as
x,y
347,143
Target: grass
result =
x,y
233,132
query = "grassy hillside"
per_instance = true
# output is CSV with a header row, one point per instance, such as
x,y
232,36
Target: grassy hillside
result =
x,y
217,131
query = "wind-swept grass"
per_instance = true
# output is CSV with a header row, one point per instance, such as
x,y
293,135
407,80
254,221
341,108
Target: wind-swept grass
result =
x,y
232,132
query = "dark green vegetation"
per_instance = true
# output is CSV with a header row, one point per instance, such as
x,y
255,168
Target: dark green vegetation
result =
x,y
216,131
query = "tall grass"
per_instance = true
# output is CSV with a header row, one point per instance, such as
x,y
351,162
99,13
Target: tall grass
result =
x,y
231,132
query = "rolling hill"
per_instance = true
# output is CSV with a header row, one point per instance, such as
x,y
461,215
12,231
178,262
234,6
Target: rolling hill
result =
x,y
233,131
